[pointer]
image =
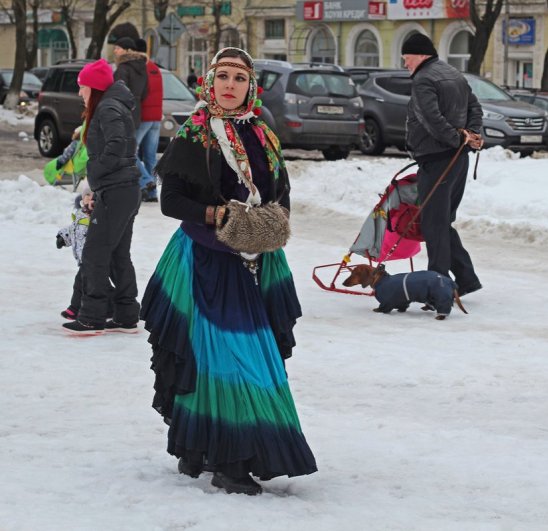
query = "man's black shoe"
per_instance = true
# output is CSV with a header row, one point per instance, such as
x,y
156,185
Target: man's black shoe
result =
x,y
465,290
81,328
192,470
244,485
113,326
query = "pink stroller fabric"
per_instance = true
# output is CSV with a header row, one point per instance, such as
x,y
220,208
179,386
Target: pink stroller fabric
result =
x,y
375,240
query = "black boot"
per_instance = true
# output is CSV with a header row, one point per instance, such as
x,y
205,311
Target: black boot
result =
x,y
189,469
244,485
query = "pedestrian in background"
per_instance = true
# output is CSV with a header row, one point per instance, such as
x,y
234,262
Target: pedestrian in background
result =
x,y
131,68
442,114
148,133
109,137
191,79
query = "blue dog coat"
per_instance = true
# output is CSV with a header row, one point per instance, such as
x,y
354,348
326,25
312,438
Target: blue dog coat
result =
x,y
428,287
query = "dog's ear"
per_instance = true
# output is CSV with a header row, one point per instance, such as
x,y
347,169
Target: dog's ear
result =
x,y
365,276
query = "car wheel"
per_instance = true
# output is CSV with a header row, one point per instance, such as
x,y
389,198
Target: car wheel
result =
x,y
48,139
335,153
371,140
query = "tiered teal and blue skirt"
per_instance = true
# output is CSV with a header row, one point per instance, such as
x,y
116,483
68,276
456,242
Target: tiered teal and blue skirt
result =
x,y
219,339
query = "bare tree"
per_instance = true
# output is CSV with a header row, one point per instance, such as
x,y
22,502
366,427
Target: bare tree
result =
x,y
160,9
67,8
484,24
19,8
32,36
105,14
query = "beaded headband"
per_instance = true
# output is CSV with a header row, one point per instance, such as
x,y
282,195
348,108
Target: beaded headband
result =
x,y
235,65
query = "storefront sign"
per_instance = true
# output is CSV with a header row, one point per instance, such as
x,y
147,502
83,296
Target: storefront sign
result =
x,y
333,11
427,9
191,11
521,31
377,10
313,11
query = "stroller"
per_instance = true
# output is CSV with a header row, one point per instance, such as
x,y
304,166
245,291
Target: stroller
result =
x,y
390,232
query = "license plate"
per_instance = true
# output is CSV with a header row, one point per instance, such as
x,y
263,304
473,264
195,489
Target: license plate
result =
x,y
531,139
330,109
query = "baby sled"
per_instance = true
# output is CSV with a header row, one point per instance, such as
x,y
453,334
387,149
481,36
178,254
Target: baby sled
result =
x,y
390,232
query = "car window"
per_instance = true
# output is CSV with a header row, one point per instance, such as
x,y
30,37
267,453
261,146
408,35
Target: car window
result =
x,y
541,102
28,78
360,79
396,85
321,84
175,89
69,82
267,79
52,79
485,90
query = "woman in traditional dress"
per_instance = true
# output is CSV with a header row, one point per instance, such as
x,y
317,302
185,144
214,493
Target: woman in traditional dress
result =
x,y
221,322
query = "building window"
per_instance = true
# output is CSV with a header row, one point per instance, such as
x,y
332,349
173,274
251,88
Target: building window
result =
x,y
88,30
274,29
197,55
366,52
322,49
459,50
230,37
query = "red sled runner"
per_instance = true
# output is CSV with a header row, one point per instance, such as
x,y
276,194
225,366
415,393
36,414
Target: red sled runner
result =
x,y
390,232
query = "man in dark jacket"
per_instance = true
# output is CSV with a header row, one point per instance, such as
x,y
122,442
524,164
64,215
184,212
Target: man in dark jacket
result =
x,y
442,114
131,68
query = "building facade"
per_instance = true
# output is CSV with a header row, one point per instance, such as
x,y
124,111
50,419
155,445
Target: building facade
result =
x,y
345,32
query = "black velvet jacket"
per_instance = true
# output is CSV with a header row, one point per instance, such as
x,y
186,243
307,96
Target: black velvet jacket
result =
x,y
188,186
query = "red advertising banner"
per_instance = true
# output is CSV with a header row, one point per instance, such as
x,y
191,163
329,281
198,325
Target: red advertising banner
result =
x,y
377,9
427,9
313,10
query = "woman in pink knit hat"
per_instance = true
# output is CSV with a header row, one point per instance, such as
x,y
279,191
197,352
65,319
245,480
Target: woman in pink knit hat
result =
x,y
113,176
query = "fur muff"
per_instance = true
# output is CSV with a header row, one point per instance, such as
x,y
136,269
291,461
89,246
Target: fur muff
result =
x,y
253,230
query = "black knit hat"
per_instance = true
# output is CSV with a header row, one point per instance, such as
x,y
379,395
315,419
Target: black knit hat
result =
x,y
127,43
141,45
418,44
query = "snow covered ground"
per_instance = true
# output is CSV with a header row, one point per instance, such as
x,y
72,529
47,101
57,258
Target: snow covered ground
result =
x,y
416,424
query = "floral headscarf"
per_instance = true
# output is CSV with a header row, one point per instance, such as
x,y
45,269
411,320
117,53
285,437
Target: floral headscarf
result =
x,y
222,126
207,94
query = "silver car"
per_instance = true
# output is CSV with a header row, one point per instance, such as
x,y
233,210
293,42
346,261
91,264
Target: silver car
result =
x,y
515,125
311,106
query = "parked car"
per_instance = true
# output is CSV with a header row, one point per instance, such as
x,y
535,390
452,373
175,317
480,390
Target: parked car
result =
x,y
311,106
40,72
178,105
29,90
385,94
60,107
539,99
512,124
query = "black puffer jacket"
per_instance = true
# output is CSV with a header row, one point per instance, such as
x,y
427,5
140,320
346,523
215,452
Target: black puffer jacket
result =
x,y
132,68
441,102
111,141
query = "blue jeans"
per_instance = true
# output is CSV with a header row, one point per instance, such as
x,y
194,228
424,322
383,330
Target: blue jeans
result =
x,y
148,136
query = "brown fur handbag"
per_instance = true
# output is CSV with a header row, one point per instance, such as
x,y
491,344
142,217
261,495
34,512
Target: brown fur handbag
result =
x,y
258,229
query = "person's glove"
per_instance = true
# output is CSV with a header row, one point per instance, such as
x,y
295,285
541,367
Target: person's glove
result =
x,y
58,165
59,241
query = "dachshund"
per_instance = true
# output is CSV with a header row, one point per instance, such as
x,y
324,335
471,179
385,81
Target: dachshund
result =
x,y
436,291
